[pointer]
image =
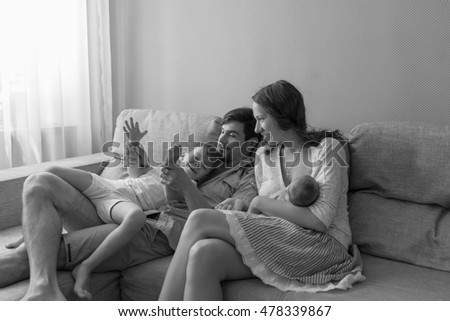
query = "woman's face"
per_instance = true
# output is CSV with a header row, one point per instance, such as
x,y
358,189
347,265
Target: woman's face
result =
x,y
266,125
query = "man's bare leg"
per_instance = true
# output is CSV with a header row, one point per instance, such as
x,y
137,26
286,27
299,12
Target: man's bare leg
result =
x,y
14,265
46,198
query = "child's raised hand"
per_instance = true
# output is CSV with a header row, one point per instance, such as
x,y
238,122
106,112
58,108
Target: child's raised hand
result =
x,y
132,131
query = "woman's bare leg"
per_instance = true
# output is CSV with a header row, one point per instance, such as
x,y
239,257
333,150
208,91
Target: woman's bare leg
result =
x,y
212,261
202,224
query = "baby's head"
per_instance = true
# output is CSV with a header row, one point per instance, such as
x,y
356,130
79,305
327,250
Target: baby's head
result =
x,y
303,191
200,161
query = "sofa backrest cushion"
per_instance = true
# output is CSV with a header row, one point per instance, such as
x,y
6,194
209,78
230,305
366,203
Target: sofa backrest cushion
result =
x,y
164,128
399,196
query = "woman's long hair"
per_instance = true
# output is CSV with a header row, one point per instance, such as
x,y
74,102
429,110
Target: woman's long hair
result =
x,y
284,103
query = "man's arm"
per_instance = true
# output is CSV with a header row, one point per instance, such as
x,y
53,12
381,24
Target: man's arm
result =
x,y
177,179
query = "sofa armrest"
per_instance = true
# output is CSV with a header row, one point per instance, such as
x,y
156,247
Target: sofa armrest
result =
x,y
11,184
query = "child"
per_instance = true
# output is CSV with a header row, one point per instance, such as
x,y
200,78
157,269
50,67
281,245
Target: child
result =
x,y
303,191
124,201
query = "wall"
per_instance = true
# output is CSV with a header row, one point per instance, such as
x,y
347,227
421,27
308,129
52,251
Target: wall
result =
x,y
354,61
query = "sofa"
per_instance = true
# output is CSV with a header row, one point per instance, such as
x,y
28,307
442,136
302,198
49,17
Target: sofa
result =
x,y
399,207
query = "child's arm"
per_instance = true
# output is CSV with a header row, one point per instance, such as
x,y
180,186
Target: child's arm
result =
x,y
170,162
135,158
136,161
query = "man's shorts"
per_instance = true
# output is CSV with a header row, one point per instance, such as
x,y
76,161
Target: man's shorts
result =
x,y
147,245
105,193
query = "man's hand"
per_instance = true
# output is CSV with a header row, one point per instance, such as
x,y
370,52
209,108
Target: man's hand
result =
x,y
132,131
234,204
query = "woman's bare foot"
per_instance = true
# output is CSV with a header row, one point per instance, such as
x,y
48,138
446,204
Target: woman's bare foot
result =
x,y
82,275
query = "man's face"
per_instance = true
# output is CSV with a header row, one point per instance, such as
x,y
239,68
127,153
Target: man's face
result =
x,y
230,142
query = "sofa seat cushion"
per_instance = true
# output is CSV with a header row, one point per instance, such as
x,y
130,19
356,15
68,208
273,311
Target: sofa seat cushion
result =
x,y
386,280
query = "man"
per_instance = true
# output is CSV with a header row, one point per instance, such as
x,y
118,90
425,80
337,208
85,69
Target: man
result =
x,y
49,203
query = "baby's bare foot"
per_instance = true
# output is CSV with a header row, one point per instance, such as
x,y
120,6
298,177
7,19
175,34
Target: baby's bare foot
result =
x,y
82,276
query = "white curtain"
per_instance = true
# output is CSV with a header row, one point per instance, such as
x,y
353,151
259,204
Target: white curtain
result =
x,y
55,71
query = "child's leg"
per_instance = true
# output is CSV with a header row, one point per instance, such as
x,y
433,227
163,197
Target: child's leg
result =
x,y
78,178
131,219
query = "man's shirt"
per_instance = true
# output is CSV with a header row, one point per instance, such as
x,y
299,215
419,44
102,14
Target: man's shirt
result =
x,y
237,182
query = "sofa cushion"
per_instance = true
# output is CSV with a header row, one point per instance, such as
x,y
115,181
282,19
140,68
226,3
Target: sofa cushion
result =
x,y
402,160
401,230
399,196
164,128
386,280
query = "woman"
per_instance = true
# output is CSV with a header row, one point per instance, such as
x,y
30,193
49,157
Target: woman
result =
x,y
287,246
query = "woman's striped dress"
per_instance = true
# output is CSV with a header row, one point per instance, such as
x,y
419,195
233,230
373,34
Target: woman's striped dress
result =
x,y
290,257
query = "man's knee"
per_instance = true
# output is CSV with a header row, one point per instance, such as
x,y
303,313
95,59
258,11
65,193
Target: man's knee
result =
x,y
54,169
38,186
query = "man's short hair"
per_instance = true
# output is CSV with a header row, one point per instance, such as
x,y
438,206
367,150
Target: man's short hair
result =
x,y
243,115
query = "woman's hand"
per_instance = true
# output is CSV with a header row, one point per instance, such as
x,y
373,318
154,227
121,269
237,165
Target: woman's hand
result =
x,y
234,204
255,204
133,132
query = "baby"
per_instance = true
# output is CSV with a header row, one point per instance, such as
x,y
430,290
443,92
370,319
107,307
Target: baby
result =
x,y
303,191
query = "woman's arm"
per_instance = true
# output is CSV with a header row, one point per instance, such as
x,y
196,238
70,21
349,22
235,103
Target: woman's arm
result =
x,y
302,216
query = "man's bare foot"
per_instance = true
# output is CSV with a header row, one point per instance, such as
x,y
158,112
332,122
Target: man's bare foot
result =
x,y
82,276
14,244
44,297
43,291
